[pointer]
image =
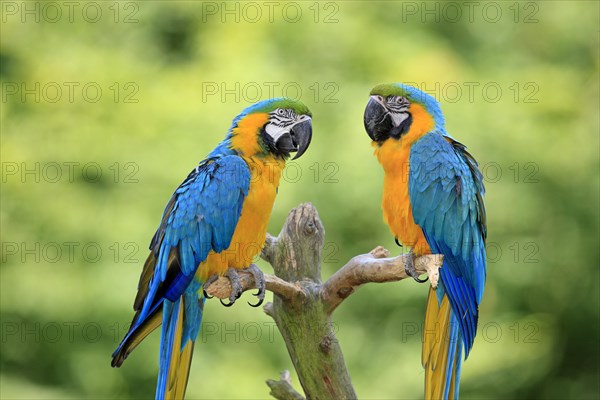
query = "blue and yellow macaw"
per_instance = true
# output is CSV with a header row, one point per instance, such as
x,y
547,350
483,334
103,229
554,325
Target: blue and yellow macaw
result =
x,y
214,224
433,202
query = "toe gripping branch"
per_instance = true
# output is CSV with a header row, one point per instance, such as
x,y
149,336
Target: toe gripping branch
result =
x,y
410,264
259,280
411,269
236,287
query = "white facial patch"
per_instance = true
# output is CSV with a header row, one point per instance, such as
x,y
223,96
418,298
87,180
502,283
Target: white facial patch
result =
x,y
276,131
398,118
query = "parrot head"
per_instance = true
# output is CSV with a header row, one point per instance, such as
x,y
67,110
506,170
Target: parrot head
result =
x,y
274,127
395,109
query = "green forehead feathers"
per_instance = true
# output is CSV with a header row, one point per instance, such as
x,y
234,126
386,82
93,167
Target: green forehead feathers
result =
x,y
413,95
270,105
389,89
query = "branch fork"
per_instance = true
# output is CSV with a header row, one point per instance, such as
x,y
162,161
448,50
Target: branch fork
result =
x,y
302,302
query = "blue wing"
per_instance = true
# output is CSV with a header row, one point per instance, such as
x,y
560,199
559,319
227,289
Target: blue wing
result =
x,y
201,216
446,194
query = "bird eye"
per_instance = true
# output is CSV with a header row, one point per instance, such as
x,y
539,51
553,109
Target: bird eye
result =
x,y
280,111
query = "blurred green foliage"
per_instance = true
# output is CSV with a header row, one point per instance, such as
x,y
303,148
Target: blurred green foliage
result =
x,y
158,64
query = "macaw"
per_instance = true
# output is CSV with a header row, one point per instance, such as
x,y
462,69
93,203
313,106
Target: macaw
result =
x,y
214,224
433,201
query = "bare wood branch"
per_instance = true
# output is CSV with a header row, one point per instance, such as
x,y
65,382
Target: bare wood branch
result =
x,y
268,309
268,250
376,266
221,288
283,389
305,327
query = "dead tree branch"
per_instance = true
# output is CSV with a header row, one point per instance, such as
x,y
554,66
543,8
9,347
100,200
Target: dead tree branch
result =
x,y
283,389
302,305
377,267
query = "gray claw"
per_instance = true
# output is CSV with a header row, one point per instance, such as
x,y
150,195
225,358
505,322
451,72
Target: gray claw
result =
x,y
410,268
236,287
208,282
259,280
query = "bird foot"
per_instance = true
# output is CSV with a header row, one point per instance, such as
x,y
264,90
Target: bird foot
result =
x,y
259,280
410,268
236,287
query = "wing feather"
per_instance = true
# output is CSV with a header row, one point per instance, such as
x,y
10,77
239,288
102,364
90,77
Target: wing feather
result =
x,y
446,193
201,216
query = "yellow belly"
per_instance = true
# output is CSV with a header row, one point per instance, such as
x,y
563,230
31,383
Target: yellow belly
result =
x,y
251,230
397,211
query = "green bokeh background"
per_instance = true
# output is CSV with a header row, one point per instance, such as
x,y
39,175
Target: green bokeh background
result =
x,y
537,143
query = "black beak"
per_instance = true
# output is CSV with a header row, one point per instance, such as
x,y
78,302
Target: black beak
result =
x,y
297,140
378,121
302,135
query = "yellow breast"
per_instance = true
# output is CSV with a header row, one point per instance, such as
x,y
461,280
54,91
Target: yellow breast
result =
x,y
251,230
393,155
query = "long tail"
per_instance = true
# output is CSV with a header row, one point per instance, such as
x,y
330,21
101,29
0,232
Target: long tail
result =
x,y
181,324
175,359
442,349
142,324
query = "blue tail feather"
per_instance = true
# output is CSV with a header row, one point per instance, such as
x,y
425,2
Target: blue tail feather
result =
x,y
169,329
454,364
181,325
